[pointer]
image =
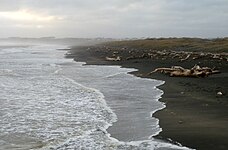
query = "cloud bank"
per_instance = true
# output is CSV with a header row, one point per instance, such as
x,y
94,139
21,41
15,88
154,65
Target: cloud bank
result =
x,y
114,18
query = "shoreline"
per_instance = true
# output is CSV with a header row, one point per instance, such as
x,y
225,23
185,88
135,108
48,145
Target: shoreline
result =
x,y
125,105
191,109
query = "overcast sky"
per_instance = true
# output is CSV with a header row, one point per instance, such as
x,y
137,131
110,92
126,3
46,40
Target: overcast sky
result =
x,y
114,18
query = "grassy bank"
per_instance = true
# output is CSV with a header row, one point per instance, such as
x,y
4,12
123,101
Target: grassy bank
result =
x,y
184,44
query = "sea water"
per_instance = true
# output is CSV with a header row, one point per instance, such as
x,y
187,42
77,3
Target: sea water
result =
x,y
49,102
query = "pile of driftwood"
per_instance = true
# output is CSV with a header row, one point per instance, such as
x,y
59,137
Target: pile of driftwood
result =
x,y
196,71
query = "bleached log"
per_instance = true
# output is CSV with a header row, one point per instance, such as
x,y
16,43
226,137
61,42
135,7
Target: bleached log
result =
x,y
113,58
186,58
178,71
162,70
178,68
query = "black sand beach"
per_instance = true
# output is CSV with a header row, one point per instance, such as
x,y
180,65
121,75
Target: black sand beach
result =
x,y
196,113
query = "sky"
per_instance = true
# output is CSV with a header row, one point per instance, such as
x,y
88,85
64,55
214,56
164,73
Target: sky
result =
x,y
114,18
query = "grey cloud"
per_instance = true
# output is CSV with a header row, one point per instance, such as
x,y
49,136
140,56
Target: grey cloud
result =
x,y
128,18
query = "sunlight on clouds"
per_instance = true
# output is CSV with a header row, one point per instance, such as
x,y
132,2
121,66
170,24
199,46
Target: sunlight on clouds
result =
x,y
29,26
25,15
39,26
27,19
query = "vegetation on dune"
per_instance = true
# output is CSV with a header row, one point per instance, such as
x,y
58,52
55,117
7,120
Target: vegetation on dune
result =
x,y
177,44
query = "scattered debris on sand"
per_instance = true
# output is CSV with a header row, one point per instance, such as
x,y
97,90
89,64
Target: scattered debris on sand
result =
x,y
131,53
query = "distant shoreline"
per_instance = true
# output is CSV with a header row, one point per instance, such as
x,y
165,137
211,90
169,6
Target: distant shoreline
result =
x,y
195,115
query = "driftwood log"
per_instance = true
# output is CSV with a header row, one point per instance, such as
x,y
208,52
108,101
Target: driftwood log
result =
x,y
196,71
113,58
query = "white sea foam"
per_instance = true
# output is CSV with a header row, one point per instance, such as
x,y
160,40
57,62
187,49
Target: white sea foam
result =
x,y
51,102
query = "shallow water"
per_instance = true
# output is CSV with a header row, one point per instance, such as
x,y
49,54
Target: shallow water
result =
x,y
132,99
48,102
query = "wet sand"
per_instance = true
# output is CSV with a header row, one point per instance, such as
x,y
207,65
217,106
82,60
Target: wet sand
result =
x,y
195,115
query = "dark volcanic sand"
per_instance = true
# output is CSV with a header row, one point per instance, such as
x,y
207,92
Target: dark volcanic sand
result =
x,y
195,115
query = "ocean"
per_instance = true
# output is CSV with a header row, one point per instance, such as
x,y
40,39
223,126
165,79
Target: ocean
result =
x,y
50,102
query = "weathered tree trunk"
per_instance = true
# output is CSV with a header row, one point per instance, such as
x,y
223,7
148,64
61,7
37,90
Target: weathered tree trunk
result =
x,y
177,71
